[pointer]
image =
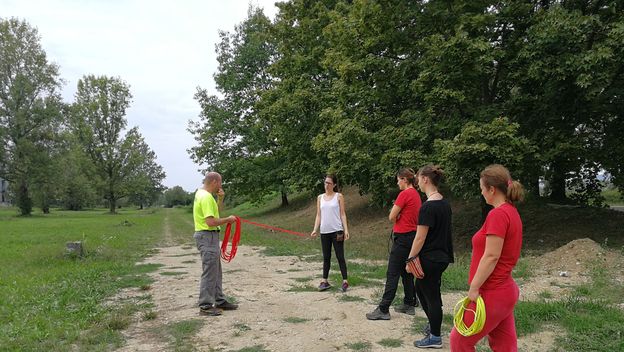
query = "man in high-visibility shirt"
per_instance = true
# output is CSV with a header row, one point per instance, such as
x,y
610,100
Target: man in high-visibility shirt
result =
x,y
207,221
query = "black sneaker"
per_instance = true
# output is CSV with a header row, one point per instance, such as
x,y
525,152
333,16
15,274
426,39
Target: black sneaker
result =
x,y
377,314
210,311
227,306
406,309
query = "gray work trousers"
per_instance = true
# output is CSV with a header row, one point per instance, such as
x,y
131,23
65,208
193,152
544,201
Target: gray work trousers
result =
x,y
210,290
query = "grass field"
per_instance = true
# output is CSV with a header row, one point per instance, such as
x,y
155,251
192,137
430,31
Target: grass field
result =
x,y
52,301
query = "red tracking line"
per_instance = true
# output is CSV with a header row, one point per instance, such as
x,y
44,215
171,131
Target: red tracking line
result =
x,y
273,228
228,256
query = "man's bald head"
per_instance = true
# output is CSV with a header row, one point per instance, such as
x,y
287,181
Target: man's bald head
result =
x,y
212,176
212,181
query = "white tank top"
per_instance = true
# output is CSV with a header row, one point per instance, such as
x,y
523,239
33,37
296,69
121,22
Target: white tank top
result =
x,y
330,215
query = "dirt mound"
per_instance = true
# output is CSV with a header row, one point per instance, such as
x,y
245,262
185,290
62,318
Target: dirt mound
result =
x,y
579,257
571,265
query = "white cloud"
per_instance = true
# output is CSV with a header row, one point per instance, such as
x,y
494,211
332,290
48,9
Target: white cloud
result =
x,y
163,49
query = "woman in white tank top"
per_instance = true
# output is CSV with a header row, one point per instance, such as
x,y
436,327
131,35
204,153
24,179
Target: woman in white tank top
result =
x,y
331,223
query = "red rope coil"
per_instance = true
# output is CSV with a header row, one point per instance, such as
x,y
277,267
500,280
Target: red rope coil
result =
x,y
225,255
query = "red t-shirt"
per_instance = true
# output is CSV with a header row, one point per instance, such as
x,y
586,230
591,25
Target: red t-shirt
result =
x,y
409,201
504,222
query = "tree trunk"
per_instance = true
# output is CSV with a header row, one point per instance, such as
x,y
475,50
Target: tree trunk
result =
x,y
534,188
113,205
45,202
23,199
284,199
557,185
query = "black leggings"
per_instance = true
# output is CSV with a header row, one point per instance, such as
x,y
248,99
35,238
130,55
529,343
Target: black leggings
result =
x,y
401,246
327,239
428,291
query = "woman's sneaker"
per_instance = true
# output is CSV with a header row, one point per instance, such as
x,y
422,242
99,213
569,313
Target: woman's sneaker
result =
x,y
324,286
429,342
345,286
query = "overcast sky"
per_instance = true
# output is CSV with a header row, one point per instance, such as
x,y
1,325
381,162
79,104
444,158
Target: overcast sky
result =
x,y
163,49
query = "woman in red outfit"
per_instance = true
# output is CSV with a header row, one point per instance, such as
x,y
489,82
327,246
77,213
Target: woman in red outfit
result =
x,y
495,252
404,215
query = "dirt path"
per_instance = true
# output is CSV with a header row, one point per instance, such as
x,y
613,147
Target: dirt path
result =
x,y
271,314
278,314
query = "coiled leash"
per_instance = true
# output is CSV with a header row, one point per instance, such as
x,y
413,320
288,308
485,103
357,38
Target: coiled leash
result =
x,y
416,269
479,317
228,256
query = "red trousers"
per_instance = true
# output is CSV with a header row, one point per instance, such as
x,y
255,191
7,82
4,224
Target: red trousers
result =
x,y
500,326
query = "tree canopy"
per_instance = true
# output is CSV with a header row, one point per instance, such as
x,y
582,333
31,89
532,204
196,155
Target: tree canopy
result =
x,y
362,88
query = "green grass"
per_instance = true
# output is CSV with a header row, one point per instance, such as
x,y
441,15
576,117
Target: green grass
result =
x,y
589,325
295,320
172,273
455,277
590,317
181,334
393,343
304,288
612,196
359,346
256,348
348,298
52,302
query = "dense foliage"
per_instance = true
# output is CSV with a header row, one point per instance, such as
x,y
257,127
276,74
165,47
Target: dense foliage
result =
x,y
365,87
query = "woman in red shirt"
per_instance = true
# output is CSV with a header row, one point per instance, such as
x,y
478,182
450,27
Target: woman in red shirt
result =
x,y
404,215
495,252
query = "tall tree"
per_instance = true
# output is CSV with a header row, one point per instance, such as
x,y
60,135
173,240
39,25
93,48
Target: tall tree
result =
x,y
98,121
232,138
29,107
144,183
293,106
567,93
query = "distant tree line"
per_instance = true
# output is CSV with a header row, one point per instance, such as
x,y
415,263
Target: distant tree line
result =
x,y
77,154
362,88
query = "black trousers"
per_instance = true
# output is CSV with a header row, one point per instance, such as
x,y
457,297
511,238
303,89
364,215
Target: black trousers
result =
x,y
327,240
428,291
401,246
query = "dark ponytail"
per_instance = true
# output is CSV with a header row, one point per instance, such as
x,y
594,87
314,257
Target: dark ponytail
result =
x,y
433,172
409,175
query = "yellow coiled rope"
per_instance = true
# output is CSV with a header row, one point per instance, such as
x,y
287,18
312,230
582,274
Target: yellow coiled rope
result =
x,y
479,315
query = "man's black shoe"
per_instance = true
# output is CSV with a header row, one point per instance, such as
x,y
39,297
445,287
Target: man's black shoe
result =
x,y
227,306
